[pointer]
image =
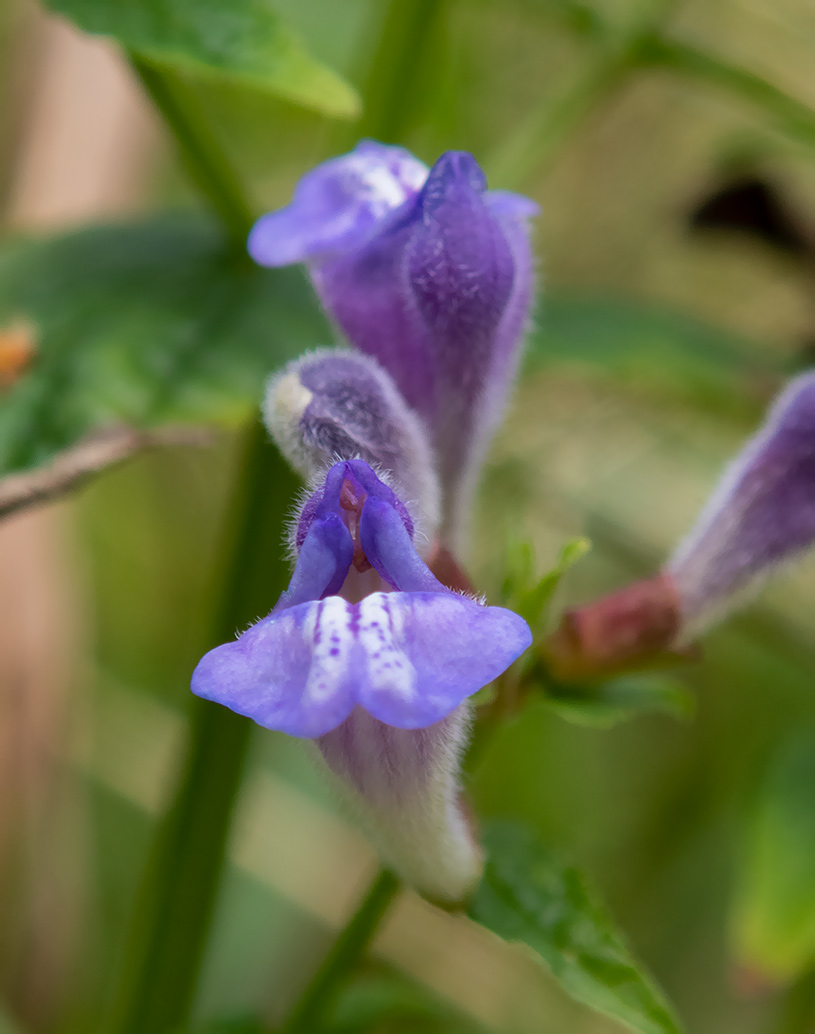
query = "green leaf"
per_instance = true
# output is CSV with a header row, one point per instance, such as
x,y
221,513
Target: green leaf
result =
x,y
529,897
773,919
6,1025
619,699
143,325
528,594
245,40
646,344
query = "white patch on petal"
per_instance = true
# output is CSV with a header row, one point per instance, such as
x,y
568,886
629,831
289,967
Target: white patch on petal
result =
x,y
380,630
329,628
382,187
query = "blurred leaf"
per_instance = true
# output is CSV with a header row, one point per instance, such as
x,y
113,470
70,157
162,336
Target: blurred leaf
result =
x,y
620,699
529,897
774,910
6,1025
528,594
640,341
246,40
378,999
142,325
234,1025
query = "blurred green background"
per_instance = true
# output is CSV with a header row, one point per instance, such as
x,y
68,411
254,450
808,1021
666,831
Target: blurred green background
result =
x,y
676,253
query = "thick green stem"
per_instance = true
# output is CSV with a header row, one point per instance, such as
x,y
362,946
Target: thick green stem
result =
x,y
526,151
321,993
174,909
540,133
794,117
656,49
797,1012
200,151
395,71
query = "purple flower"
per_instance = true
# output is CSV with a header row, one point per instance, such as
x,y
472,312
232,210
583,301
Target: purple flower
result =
x,y
369,654
408,657
334,404
428,272
761,515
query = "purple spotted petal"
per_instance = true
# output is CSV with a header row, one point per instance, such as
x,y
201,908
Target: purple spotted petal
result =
x,y
338,205
408,659
427,652
283,673
762,514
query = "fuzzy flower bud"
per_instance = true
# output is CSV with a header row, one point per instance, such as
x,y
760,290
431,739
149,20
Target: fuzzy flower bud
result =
x,y
762,514
428,272
335,404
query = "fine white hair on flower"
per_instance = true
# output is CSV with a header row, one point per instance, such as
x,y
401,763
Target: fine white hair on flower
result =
x,y
336,404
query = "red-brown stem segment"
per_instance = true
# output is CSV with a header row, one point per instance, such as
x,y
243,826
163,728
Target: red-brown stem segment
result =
x,y
633,628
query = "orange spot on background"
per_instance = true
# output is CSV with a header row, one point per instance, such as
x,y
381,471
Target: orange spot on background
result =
x,y
17,349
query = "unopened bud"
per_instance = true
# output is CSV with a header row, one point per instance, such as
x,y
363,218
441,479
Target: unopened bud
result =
x,y
339,405
761,515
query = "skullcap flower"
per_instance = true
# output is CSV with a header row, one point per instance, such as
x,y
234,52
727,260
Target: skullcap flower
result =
x,y
428,272
762,514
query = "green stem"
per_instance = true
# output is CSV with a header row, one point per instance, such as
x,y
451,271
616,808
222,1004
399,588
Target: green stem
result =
x,y
797,1013
796,118
174,909
200,151
395,71
539,135
537,138
654,49
321,993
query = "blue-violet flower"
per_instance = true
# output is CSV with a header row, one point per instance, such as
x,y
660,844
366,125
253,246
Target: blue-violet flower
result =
x,y
761,515
371,656
428,272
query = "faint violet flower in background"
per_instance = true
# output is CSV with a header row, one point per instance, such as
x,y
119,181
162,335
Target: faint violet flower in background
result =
x,y
432,275
367,652
762,514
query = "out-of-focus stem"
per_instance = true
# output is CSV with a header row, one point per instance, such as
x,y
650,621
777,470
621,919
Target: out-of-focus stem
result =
x,y
796,118
797,1013
201,153
535,141
321,993
390,88
653,47
174,908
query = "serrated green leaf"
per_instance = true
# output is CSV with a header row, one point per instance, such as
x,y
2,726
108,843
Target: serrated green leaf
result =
x,y
246,40
619,699
142,325
528,897
773,919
